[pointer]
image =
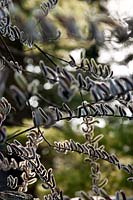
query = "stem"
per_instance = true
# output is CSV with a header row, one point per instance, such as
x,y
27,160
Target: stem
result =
x,y
45,55
16,135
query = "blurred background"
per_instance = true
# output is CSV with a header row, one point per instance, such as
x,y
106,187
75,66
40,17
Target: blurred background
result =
x,y
99,29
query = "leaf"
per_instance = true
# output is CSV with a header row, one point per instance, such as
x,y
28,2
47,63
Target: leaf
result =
x,y
43,68
12,182
32,181
123,195
47,6
117,195
68,75
104,194
18,96
59,114
81,80
121,89
72,62
37,119
51,74
97,138
67,109
73,145
109,108
102,183
114,90
127,83
43,114
21,81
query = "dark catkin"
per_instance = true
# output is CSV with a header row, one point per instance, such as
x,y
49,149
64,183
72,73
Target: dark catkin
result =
x,y
46,6
13,32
